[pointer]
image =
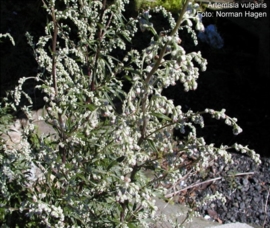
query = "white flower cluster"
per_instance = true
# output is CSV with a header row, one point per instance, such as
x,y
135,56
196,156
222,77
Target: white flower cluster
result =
x,y
44,211
228,120
210,198
246,150
166,14
192,13
180,66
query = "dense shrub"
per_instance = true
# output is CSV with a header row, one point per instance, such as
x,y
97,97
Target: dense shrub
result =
x,y
105,167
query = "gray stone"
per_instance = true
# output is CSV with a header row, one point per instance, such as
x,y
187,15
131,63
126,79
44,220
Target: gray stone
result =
x,y
172,211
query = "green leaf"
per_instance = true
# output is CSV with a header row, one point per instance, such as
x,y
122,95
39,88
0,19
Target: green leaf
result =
x,y
125,35
130,69
128,78
161,116
132,225
82,177
117,60
108,99
152,144
90,107
101,25
112,164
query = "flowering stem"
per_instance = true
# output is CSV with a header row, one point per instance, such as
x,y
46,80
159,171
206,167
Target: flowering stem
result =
x,y
163,50
178,23
54,42
100,35
154,69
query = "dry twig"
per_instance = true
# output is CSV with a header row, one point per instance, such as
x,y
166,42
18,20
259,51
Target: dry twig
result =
x,y
265,208
204,182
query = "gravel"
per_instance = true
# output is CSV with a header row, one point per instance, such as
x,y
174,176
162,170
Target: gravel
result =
x,y
245,186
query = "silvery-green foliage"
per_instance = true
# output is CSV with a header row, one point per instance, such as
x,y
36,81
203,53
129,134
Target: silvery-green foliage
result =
x,y
93,174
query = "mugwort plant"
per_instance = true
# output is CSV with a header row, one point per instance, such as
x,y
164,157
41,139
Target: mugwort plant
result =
x,y
103,167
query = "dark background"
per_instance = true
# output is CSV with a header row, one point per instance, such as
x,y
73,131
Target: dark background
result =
x,y
237,77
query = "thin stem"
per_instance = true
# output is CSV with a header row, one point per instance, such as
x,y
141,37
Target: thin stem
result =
x,y
205,182
101,34
60,119
54,42
122,214
265,208
178,23
159,129
132,216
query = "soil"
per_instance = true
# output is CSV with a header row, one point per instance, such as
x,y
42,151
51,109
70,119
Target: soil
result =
x,y
245,186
